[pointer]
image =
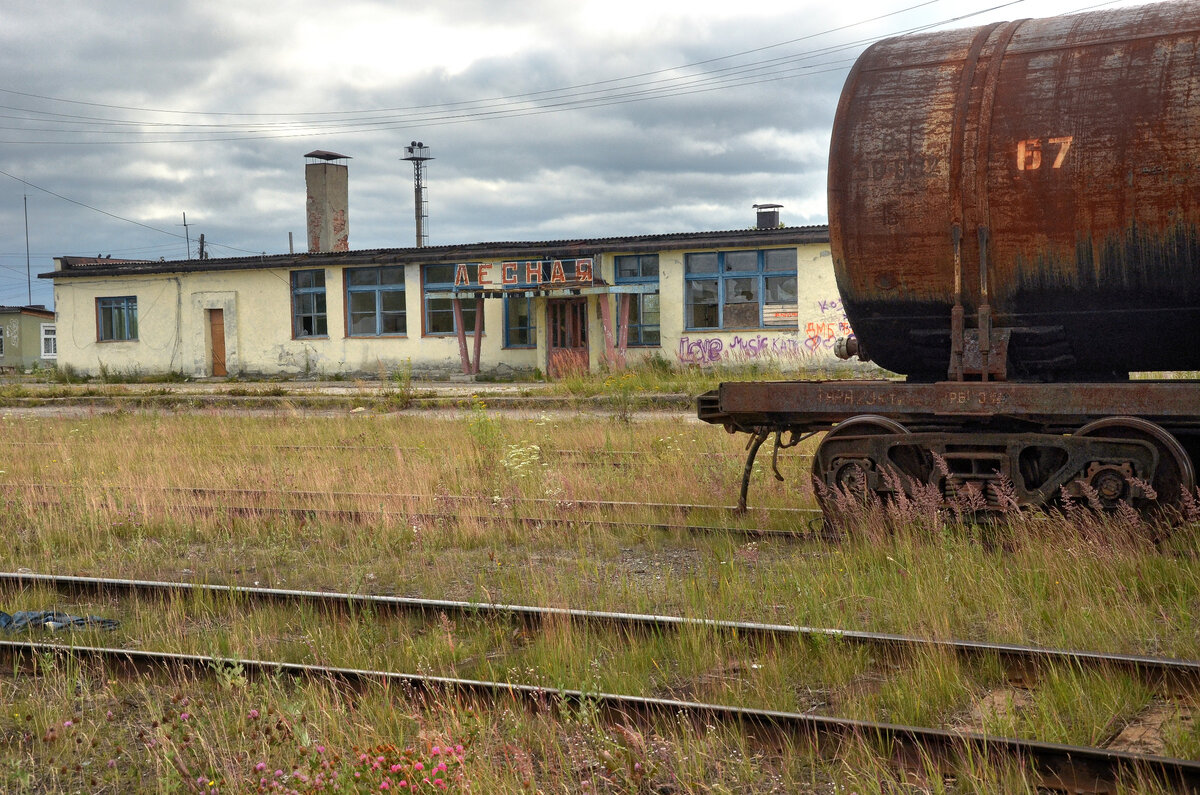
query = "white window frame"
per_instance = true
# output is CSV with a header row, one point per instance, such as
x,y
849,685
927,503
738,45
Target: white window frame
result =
x,y
49,333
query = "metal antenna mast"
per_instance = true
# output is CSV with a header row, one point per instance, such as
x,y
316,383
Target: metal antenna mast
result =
x,y
28,277
417,153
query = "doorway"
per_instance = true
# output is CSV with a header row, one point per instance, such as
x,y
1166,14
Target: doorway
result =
x,y
216,326
567,341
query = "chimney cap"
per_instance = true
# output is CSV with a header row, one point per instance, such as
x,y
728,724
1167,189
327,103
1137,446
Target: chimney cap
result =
x,y
767,206
321,154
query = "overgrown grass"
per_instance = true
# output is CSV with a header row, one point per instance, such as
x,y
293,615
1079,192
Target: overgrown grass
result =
x,y
1040,580
73,728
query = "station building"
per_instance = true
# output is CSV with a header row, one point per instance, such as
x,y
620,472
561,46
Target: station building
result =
x,y
765,292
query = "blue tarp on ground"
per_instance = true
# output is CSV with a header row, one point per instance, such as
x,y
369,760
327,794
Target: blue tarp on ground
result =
x,y
51,620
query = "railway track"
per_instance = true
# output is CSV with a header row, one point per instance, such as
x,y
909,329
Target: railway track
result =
x,y
1165,674
1057,766
362,516
573,454
409,498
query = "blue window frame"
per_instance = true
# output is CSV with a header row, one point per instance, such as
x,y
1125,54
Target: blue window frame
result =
x,y
520,322
375,301
644,330
739,289
308,304
116,318
439,312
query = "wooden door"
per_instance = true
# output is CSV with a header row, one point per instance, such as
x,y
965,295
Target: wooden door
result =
x,y
567,341
216,325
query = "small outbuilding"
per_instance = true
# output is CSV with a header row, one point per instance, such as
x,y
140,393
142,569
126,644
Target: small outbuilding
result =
x,y
28,338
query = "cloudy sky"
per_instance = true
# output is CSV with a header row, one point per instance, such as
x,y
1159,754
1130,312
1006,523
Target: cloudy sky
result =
x,y
547,118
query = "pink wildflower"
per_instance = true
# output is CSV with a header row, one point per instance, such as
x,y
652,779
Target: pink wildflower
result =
x,y
436,750
68,724
183,716
261,766
418,766
386,784
396,768
253,714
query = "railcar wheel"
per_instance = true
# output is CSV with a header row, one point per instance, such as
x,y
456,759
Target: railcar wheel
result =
x,y
1113,482
852,473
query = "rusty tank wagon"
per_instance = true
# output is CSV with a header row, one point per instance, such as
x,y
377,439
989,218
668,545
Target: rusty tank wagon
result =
x,y
1014,216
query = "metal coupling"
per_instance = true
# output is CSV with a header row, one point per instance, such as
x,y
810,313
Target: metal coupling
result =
x,y
848,348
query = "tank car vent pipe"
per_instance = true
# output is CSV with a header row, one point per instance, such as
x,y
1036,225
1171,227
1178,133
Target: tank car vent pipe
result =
x,y
985,308
956,313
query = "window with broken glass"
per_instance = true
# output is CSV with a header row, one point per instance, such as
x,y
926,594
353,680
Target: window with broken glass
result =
x,y
739,289
308,304
643,308
375,301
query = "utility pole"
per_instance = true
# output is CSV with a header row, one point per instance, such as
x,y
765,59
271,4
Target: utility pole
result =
x,y
28,276
187,238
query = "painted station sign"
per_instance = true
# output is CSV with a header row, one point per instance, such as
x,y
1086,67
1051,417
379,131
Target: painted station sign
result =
x,y
533,273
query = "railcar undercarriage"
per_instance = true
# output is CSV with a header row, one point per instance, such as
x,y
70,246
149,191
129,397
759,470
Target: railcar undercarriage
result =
x,y
1014,445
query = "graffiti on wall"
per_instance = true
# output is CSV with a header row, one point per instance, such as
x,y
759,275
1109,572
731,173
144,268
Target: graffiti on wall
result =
x,y
828,323
815,339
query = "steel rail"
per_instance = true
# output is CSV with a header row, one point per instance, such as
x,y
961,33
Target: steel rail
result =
x,y
665,404
365,515
1082,768
1171,673
551,452
685,508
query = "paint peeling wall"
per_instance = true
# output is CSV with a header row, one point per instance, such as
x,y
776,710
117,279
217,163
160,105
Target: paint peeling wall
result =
x,y
173,330
256,305
809,345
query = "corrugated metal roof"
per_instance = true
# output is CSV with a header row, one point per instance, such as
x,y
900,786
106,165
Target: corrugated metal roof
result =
x,y
27,310
454,253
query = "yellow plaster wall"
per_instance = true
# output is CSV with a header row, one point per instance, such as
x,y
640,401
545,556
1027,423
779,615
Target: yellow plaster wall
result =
x,y
807,345
173,330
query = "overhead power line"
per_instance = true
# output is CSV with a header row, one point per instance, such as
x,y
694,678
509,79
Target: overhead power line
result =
x,y
603,93
107,213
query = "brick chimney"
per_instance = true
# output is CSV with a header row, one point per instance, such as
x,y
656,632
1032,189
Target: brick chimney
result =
x,y
328,202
